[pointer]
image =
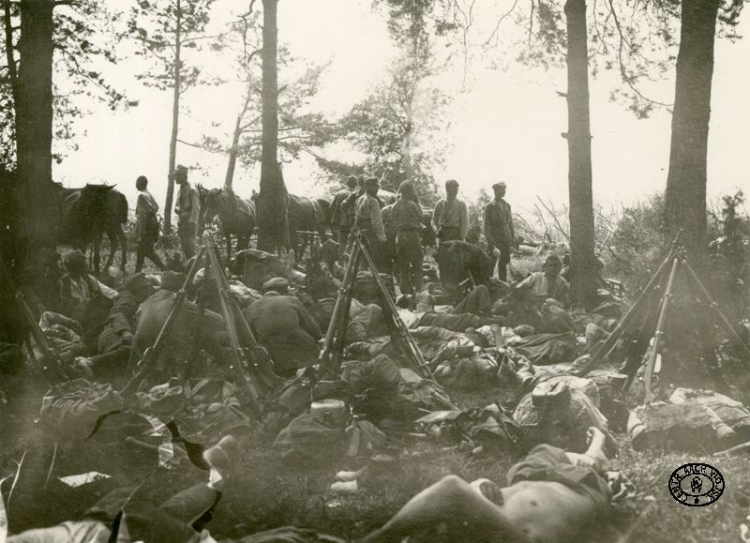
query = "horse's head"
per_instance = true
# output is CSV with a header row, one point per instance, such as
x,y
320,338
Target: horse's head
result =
x,y
93,202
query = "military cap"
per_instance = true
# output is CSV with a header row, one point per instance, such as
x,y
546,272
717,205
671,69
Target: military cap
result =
x,y
276,283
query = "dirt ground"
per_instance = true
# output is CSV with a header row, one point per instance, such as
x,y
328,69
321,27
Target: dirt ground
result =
x,y
266,493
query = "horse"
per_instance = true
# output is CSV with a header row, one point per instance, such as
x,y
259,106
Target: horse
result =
x,y
86,214
306,215
236,215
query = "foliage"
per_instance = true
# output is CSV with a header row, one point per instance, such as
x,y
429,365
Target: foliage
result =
x,y
730,277
638,244
300,130
397,128
475,209
154,25
83,38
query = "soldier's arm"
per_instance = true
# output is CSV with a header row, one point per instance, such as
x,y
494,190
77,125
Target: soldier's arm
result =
x,y
488,228
306,322
435,214
464,220
377,220
195,206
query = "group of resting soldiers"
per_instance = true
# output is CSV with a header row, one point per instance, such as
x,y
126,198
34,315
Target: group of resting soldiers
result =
x,y
393,232
550,494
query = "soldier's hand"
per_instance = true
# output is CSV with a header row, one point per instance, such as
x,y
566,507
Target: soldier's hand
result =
x,y
383,239
127,338
496,252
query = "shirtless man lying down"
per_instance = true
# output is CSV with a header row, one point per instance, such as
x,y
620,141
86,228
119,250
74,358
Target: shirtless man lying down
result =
x,y
552,495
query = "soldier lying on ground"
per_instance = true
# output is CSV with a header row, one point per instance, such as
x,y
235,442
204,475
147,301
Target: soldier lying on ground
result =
x,y
180,519
283,326
471,312
153,314
552,495
82,296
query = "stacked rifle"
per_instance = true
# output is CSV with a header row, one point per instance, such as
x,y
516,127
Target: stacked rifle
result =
x,y
250,361
333,348
50,367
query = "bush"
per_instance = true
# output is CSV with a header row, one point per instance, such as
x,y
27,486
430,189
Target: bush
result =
x,y
639,242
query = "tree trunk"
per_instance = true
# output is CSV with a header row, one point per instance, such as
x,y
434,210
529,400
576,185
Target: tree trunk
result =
x,y
33,109
232,164
582,259
273,199
177,81
686,181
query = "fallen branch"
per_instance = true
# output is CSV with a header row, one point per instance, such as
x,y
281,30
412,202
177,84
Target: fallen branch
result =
x,y
554,217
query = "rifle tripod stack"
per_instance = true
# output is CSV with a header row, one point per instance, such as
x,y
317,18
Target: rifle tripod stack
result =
x,y
651,313
333,349
50,367
250,361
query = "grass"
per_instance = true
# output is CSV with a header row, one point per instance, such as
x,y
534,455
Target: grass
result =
x,y
266,493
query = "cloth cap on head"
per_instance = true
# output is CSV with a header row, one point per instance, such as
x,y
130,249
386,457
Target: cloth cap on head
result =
x,y
75,262
407,187
180,172
137,280
172,281
370,181
275,283
499,184
451,183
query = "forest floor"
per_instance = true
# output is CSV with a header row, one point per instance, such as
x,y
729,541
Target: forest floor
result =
x,y
265,492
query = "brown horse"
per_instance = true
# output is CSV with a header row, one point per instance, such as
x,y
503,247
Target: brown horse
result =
x,y
306,215
86,214
236,215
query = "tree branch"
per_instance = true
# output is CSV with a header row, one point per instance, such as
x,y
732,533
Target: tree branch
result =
x,y
202,147
501,19
623,72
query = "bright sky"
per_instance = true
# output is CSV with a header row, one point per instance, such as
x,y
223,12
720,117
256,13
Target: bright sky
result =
x,y
506,125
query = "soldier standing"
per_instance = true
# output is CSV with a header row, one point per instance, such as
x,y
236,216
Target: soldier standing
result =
x,y
188,208
406,217
498,229
450,220
368,222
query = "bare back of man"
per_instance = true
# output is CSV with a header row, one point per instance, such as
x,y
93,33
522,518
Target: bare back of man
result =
x,y
539,511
